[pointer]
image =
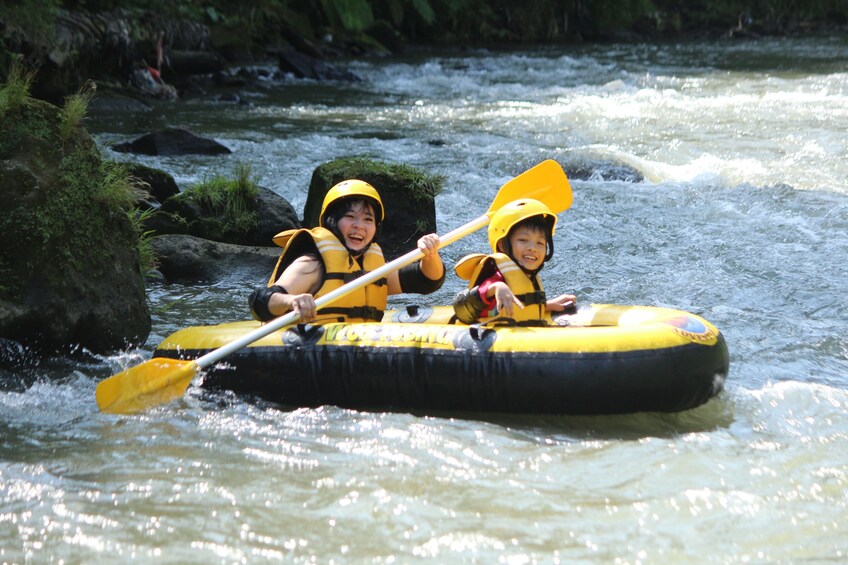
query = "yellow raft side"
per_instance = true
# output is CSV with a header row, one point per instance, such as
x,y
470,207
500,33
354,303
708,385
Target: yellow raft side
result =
x,y
598,328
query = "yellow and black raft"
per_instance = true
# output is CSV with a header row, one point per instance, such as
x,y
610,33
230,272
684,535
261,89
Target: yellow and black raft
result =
x,y
605,359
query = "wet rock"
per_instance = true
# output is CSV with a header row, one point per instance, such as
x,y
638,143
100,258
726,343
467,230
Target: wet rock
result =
x,y
275,215
172,141
301,65
161,223
181,62
158,184
106,103
603,171
185,258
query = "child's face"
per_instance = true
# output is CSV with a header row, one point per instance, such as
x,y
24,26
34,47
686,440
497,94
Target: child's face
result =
x,y
358,226
529,246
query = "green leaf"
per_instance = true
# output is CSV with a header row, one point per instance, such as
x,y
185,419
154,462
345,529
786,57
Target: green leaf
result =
x,y
425,11
353,15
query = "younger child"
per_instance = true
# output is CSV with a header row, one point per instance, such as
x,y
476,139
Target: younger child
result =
x,y
521,236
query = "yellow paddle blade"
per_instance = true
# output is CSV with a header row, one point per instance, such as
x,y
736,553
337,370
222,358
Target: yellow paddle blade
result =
x,y
546,182
154,382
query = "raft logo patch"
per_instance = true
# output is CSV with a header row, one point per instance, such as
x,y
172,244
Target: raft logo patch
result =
x,y
691,328
402,335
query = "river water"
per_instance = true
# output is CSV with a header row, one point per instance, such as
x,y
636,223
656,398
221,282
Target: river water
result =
x,y
742,217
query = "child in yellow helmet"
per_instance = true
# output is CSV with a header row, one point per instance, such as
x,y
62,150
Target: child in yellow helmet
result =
x,y
506,281
317,261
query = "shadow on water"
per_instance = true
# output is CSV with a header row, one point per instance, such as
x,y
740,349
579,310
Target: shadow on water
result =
x,y
714,415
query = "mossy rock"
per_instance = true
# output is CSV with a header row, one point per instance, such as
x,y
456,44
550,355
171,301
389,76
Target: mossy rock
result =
x,y
234,211
408,194
70,270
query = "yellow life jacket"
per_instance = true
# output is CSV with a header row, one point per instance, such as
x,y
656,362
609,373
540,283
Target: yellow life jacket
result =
x,y
477,267
366,304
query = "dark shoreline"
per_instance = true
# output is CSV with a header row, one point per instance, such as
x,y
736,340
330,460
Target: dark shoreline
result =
x,y
158,54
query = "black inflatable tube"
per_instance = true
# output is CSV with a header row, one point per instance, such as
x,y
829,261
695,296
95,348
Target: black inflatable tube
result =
x,y
433,380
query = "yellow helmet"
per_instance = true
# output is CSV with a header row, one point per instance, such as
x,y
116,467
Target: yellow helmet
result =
x,y
517,211
353,187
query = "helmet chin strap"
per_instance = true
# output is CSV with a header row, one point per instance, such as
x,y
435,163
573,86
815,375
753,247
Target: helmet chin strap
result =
x,y
355,255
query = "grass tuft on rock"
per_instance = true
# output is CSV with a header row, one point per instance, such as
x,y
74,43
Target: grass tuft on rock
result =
x,y
230,199
74,110
14,92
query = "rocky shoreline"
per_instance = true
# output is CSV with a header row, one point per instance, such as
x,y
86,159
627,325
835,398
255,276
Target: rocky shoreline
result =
x,y
144,54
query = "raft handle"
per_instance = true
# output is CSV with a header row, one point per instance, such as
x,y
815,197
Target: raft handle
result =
x,y
479,332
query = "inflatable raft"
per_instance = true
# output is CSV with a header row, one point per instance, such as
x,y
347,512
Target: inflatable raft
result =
x,y
605,359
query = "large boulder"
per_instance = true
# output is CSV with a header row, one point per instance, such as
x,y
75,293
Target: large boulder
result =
x,y
409,196
70,269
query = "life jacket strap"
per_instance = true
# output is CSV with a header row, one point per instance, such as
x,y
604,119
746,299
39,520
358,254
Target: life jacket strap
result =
x,y
364,312
535,297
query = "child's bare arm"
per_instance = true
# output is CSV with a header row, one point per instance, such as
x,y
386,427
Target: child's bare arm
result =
x,y
561,303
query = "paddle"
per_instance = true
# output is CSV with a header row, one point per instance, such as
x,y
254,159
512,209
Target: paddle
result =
x,y
161,380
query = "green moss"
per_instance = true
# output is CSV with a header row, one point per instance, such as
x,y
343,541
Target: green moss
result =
x,y
387,178
231,201
422,187
87,209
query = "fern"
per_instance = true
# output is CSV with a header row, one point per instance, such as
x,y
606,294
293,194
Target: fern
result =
x,y
146,254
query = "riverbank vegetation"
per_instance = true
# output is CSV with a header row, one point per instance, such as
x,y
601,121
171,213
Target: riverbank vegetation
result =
x,y
154,46
248,26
